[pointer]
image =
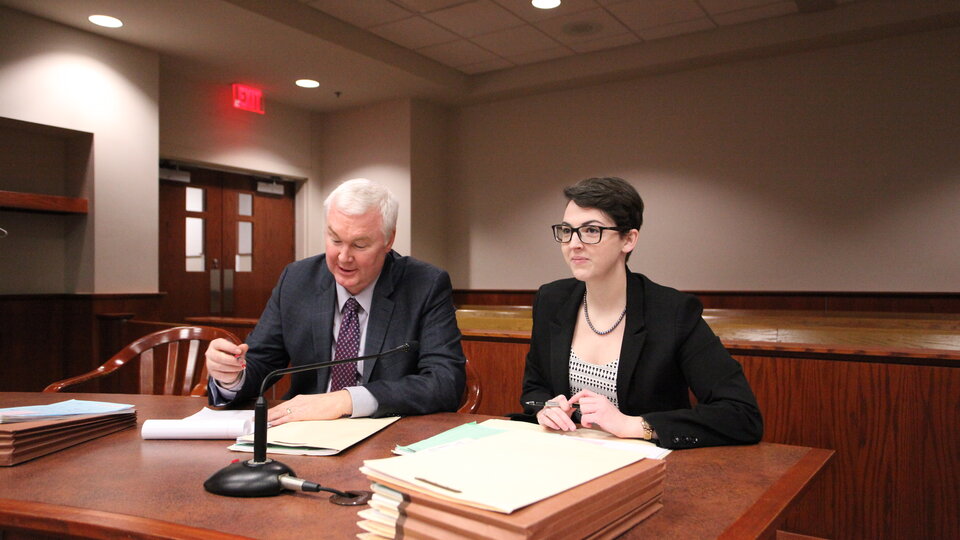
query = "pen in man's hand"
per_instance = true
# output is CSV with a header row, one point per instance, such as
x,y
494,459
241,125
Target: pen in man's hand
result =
x,y
547,404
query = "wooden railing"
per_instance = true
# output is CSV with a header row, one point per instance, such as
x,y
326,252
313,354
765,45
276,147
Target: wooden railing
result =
x,y
878,388
821,301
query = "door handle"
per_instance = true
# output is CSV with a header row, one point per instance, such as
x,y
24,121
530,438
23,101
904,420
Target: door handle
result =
x,y
227,291
215,290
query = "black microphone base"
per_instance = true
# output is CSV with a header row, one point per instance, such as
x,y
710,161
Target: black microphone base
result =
x,y
248,479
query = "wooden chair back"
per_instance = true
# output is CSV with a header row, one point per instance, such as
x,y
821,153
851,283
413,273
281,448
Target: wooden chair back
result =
x,y
471,392
171,361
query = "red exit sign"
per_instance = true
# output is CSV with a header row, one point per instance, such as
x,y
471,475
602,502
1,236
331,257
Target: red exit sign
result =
x,y
248,98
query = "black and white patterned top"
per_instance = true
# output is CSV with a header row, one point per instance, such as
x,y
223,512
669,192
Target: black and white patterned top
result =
x,y
600,379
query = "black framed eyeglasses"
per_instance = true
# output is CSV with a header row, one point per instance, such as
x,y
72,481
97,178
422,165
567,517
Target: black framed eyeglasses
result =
x,y
589,234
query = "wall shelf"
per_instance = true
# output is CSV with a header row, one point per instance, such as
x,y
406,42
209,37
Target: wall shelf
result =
x,y
35,202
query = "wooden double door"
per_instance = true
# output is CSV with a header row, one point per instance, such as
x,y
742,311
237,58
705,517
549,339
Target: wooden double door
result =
x,y
223,244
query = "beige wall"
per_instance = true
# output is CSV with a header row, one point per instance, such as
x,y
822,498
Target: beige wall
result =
x,y
834,169
368,142
430,182
198,123
829,170
57,76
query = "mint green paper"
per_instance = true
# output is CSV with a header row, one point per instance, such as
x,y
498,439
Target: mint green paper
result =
x,y
470,430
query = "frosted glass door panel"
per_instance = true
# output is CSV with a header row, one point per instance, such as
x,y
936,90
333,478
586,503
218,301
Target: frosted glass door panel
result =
x,y
195,199
244,246
194,252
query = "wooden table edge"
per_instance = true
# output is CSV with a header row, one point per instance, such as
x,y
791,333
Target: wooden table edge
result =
x,y
73,522
763,518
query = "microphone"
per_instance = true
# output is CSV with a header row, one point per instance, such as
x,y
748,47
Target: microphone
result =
x,y
263,477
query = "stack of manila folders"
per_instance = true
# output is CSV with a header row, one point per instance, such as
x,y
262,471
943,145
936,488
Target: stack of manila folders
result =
x,y
32,431
503,479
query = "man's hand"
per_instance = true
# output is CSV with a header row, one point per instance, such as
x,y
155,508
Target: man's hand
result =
x,y
226,361
312,407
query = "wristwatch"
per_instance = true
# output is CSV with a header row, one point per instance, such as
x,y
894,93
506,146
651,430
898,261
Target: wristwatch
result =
x,y
647,430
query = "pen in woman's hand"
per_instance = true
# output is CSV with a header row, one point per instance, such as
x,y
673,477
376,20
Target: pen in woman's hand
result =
x,y
548,404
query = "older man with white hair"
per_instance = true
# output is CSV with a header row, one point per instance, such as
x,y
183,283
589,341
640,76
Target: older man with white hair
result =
x,y
358,298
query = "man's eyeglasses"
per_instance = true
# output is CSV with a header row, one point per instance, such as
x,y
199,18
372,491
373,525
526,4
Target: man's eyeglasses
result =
x,y
589,234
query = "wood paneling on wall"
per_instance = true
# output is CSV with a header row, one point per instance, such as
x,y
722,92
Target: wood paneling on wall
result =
x,y
46,338
943,302
498,361
896,471
476,297
946,302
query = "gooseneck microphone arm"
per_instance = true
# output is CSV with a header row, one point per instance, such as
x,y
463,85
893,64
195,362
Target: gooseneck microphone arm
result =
x,y
277,373
260,409
262,477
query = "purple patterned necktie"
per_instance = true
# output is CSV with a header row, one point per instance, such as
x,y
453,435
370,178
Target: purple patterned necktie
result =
x,y
348,346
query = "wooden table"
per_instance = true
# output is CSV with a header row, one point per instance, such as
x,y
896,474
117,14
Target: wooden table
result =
x,y
121,484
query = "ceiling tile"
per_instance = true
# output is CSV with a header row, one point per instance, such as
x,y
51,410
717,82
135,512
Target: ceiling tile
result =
x,y
414,33
605,43
584,26
723,6
677,29
365,13
752,14
457,53
483,67
514,41
640,14
541,56
525,10
420,6
475,18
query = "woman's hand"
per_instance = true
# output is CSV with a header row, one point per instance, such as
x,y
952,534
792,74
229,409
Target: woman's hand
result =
x,y
597,409
312,407
557,417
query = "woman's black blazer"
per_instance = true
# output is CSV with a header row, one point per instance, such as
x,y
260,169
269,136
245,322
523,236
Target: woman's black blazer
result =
x,y
668,350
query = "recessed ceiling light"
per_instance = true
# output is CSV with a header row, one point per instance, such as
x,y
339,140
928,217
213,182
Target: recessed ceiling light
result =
x,y
105,21
307,83
545,4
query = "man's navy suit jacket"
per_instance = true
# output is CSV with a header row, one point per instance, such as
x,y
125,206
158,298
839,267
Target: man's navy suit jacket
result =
x,y
412,301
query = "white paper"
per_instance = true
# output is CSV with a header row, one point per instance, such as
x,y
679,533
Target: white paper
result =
x,y
206,424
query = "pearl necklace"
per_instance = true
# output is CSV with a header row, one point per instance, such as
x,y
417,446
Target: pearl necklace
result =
x,y
586,315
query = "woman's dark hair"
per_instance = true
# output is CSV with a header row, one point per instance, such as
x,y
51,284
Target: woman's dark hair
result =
x,y
613,196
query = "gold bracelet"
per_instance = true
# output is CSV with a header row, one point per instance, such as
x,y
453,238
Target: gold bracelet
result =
x,y
647,430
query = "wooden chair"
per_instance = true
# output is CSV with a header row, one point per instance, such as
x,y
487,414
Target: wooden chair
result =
x,y
471,392
176,353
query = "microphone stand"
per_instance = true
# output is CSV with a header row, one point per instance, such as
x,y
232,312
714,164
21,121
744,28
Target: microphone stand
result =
x,y
264,477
